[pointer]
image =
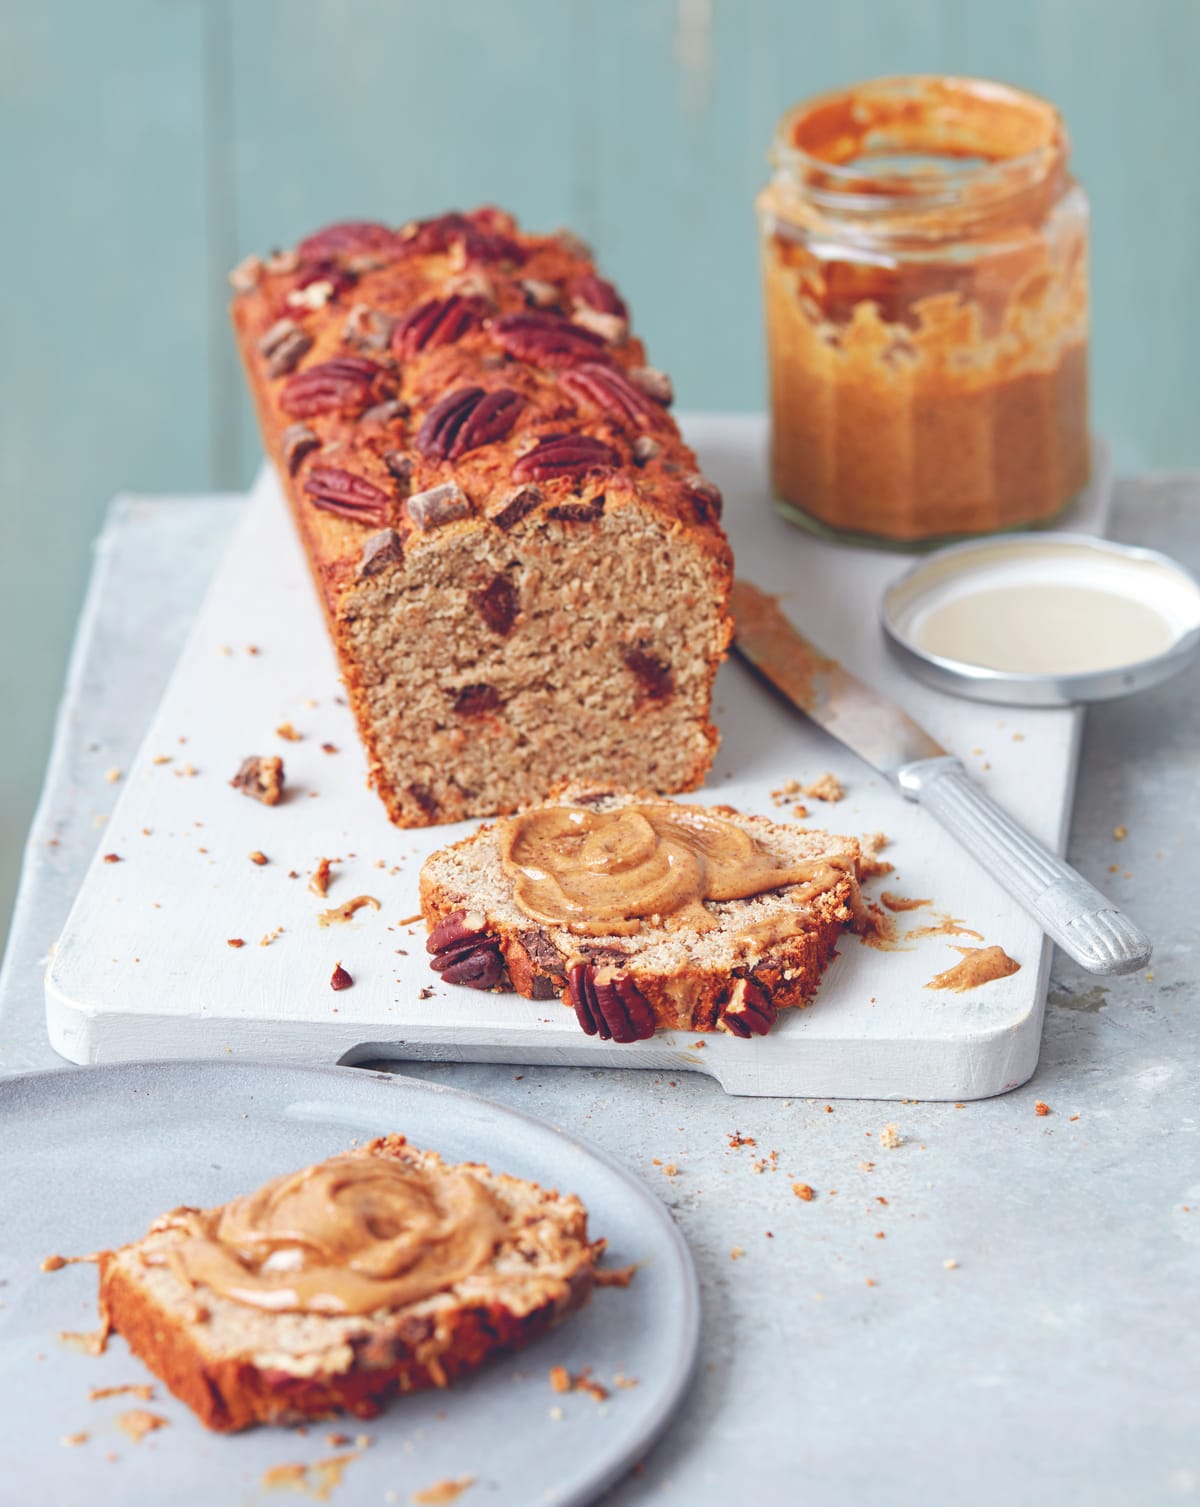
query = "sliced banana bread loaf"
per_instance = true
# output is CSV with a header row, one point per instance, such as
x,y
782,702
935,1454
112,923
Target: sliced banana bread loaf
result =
x,y
522,569
503,913
383,1270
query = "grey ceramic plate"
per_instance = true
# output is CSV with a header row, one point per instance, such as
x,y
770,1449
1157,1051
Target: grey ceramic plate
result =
x,y
89,1156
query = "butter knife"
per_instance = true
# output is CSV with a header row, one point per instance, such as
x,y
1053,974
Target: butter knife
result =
x,y
1084,923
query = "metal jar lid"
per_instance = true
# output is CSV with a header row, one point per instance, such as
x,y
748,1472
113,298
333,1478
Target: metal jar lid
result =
x,y
1043,619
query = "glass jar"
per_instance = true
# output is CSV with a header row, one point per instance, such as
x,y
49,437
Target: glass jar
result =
x,y
925,267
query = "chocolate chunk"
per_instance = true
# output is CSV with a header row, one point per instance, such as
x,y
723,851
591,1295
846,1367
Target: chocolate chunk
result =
x,y
498,605
516,505
381,551
438,505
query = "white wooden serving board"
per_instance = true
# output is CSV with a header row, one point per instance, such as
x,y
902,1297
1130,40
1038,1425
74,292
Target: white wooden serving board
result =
x,y
143,969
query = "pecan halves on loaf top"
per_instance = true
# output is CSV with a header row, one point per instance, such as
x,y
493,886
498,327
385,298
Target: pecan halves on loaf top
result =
x,y
464,951
609,1004
346,495
436,322
465,419
564,455
345,384
546,339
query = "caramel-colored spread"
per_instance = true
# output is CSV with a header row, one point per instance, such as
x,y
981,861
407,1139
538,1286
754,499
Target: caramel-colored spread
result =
x,y
348,1236
980,965
602,873
927,325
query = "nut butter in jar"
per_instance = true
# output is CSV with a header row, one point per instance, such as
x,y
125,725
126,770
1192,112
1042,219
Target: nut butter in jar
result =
x,y
925,263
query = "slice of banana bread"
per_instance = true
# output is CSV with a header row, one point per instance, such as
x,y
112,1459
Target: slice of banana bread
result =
x,y
237,1361
731,967
521,567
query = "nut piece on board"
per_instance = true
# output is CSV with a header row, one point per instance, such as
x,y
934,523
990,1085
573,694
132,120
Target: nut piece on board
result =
x,y
261,779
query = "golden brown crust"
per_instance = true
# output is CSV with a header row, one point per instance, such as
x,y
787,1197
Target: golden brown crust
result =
x,y
231,1393
690,1000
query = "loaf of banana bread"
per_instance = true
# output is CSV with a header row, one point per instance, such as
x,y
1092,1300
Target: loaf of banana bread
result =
x,y
522,569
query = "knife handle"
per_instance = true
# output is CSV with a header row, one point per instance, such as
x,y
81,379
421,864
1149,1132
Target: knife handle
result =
x,y
1084,923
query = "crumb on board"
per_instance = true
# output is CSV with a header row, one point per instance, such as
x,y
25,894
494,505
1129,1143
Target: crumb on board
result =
x,y
890,1138
560,1379
340,979
112,858
826,787
950,1264
112,775
257,857
138,1422
329,748
346,911
409,920
262,779
319,883
288,733
1120,833
799,812
737,1253
1041,1108
737,1139
803,1191
143,1391
71,1440
235,942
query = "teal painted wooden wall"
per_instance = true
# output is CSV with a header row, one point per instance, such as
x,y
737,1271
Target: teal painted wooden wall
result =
x,y
148,144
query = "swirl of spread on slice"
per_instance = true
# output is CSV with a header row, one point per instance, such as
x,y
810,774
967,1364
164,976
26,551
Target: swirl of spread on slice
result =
x,y
351,1235
600,873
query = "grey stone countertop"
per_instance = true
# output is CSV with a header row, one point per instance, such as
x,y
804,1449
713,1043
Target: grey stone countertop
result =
x,y
1003,1306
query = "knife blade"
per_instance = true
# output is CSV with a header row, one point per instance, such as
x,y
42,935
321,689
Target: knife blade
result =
x,y
1083,922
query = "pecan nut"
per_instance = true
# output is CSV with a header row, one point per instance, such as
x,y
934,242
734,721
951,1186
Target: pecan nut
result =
x,y
479,237
346,495
546,339
596,293
465,419
609,1004
297,441
347,237
261,779
609,390
438,505
346,384
464,951
437,321
748,1011
283,346
564,455
515,505
380,552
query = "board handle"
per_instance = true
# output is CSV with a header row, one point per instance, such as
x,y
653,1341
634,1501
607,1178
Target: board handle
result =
x,y
1084,923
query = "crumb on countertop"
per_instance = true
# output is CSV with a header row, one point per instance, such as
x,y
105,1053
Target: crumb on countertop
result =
x,y
890,1138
